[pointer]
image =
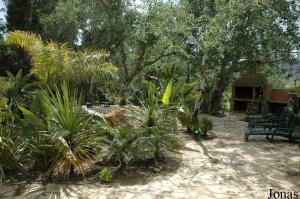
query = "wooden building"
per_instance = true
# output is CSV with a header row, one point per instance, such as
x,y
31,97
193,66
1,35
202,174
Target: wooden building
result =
x,y
248,94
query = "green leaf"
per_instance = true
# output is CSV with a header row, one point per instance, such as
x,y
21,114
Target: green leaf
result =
x,y
33,118
167,94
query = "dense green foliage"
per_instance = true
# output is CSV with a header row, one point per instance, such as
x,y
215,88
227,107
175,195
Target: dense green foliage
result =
x,y
239,35
42,117
13,147
153,132
167,58
166,39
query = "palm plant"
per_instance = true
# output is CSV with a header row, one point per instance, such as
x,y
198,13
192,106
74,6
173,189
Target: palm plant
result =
x,y
54,63
120,145
162,136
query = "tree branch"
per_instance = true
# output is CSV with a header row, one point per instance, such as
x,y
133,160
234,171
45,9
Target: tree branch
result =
x,y
141,65
162,56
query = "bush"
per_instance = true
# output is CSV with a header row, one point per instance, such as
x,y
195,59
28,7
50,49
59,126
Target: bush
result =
x,y
119,145
4,87
106,175
157,125
12,146
199,127
206,124
185,119
152,132
62,140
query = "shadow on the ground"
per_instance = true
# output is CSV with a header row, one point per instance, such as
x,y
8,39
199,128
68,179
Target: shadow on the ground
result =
x,y
39,191
130,176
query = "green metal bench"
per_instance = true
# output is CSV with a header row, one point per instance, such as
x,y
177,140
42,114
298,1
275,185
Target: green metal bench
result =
x,y
285,130
279,119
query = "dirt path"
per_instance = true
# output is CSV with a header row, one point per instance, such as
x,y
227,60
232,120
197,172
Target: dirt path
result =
x,y
242,170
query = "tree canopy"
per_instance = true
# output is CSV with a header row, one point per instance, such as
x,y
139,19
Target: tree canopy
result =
x,y
172,39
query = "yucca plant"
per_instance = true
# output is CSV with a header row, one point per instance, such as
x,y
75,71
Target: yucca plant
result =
x,y
72,133
150,104
67,135
54,63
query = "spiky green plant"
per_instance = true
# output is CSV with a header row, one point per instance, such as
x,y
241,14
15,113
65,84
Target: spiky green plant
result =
x,y
66,141
150,104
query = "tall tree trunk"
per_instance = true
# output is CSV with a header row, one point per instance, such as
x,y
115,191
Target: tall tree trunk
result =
x,y
202,88
123,92
217,94
90,90
205,103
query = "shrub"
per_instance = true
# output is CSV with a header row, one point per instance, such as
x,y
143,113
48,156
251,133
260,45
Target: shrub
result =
x,y
152,132
4,86
199,127
119,145
12,146
206,125
157,125
12,150
106,175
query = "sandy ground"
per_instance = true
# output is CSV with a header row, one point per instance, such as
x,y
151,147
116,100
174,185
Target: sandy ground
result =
x,y
236,169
